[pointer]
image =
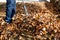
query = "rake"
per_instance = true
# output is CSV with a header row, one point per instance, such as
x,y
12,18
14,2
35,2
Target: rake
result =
x,y
25,8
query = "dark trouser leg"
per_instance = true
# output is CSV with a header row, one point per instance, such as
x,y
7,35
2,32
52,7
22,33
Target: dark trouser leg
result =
x,y
10,6
13,11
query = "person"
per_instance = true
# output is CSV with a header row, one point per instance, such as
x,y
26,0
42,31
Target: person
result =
x,y
10,10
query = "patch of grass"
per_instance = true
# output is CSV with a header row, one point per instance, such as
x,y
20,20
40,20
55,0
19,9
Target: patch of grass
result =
x,y
0,7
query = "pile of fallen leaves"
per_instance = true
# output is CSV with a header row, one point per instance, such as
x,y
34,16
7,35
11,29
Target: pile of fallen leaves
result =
x,y
42,23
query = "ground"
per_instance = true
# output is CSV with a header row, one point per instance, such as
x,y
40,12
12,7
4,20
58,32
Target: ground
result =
x,y
41,23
